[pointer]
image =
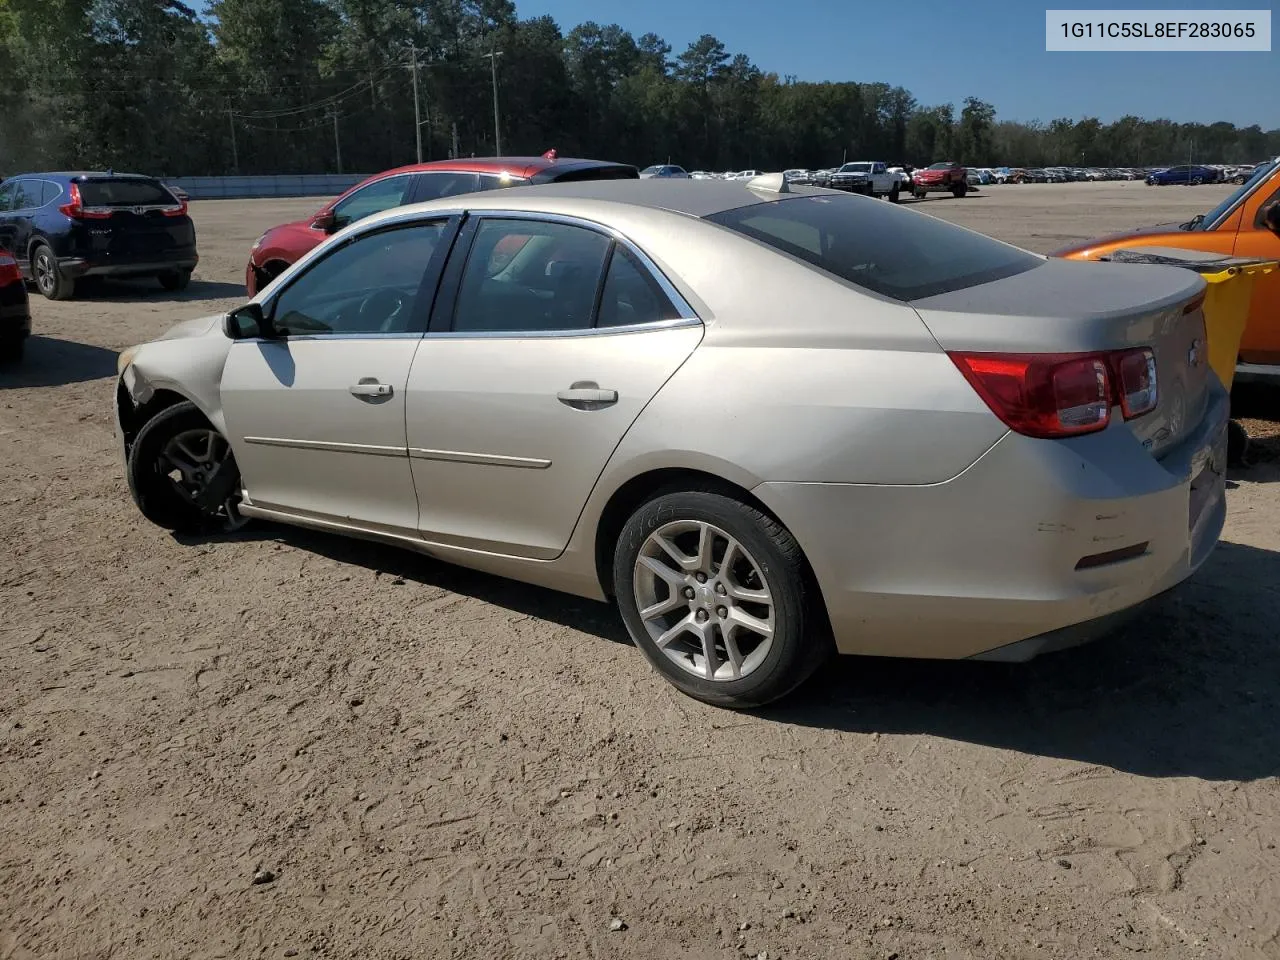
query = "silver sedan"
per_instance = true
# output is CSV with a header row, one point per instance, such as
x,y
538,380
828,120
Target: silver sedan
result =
x,y
768,421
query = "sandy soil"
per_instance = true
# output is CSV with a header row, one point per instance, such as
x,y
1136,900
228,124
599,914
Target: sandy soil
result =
x,y
435,763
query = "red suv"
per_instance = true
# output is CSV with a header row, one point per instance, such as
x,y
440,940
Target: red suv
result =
x,y
282,246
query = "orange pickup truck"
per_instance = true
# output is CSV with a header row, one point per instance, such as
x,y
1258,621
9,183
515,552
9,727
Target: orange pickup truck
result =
x,y
1245,224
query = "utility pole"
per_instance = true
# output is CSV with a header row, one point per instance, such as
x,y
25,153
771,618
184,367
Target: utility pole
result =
x,y
337,144
235,153
453,154
493,69
417,119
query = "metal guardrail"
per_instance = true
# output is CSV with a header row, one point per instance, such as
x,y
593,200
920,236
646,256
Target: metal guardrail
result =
x,y
238,188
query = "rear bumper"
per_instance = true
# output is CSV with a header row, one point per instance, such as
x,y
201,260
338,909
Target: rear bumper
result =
x,y
75,267
990,558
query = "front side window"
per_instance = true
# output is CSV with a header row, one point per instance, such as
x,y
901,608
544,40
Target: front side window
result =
x,y
369,285
6,197
450,184
880,247
376,197
530,276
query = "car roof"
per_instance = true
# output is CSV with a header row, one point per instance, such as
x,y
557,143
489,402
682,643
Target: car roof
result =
x,y
76,174
513,166
694,198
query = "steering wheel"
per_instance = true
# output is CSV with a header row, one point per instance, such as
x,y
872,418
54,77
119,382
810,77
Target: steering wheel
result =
x,y
382,307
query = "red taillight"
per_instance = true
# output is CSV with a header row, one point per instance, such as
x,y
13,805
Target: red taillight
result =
x,y
1052,395
76,210
9,272
1136,381
179,211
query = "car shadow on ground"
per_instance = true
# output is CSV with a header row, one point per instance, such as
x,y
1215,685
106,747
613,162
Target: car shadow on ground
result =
x,y
1190,690
589,616
147,290
49,362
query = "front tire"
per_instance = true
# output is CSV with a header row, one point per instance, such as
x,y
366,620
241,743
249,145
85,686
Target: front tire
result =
x,y
171,464
48,277
719,599
174,280
959,190
894,194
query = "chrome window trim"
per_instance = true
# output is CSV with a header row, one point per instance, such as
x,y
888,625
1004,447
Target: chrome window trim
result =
x,y
562,334
294,338
483,459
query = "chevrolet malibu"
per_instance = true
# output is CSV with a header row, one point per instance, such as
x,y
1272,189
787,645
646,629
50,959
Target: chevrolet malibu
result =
x,y
767,420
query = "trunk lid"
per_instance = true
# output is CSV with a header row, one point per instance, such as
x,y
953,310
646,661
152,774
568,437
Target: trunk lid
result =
x,y
142,222
1068,306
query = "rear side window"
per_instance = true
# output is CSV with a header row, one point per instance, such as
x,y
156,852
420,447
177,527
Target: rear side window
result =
x,y
50,192
631,295
26,196
591,173
433,186
124,193
890,251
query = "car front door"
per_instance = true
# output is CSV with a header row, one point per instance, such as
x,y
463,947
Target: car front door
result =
x,y
547,340
1256,239
315,414
26,203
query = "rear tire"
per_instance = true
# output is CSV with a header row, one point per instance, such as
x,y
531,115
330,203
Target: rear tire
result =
x,y
767,565
894,194
48,277
174,280
150,469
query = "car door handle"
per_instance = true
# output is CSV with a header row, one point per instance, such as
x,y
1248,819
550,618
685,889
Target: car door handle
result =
x,y
587,395
370,388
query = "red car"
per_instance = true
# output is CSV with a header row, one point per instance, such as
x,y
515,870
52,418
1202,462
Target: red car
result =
x,y
282,246
946,177
15,309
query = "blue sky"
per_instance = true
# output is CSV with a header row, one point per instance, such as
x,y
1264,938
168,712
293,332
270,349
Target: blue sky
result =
x,y
945,50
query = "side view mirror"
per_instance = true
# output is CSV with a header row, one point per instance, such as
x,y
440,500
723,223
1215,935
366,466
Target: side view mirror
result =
x,y
326,222
247,323
1271,218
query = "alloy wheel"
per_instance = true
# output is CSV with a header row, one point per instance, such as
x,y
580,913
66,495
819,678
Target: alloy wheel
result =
x,y
704,600
45,276
189,459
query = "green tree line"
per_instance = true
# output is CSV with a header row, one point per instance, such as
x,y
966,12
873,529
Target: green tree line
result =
x,y
308,86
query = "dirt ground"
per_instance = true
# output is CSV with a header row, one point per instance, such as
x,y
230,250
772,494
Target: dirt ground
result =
x,y
437,763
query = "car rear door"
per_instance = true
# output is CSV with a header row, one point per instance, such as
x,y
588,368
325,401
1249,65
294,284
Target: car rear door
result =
x,y
24,206
548,339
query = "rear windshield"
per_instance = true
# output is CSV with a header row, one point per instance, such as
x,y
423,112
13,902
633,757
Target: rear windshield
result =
x,y
124,193
883,248
594,173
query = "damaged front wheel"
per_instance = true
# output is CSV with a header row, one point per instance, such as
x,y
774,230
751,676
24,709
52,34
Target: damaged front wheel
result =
x,y
182,474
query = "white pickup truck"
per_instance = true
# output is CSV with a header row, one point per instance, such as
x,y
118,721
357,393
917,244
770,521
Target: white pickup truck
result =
x,y
870,177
